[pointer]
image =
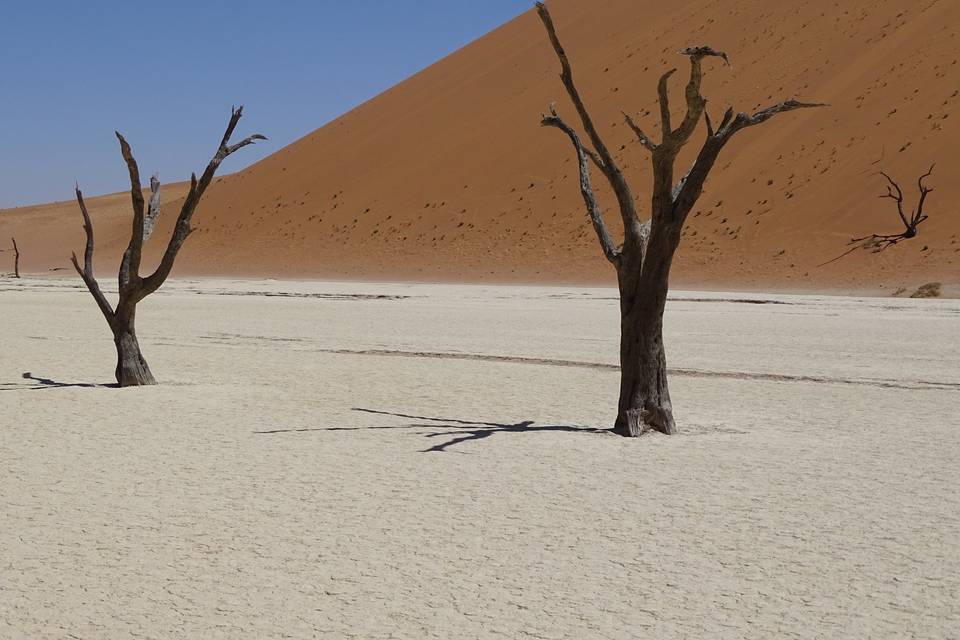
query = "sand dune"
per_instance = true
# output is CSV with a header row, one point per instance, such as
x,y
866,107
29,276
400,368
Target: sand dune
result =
x,y
448,176
307,469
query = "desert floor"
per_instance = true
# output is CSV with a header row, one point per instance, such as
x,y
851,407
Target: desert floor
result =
x,y
390,461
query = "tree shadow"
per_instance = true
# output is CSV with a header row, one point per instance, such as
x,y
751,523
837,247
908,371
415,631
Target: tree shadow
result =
x,y
48,383
460,434
479,431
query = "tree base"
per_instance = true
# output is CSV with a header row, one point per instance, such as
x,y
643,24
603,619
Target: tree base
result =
x,y
635,423
132,369
135,381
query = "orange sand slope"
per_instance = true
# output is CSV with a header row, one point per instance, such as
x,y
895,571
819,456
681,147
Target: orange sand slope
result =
x,y
449,177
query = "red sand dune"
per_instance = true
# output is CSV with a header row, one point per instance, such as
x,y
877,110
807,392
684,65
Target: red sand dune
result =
x,y
448,176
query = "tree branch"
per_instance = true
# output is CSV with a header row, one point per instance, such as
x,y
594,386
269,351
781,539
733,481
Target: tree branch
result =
x,y
153,210
182,228
666,195
663,95
898,198
586,188
609,166
918,215
566,76
690,188
86,273
696,103
743,120
641,136
130,266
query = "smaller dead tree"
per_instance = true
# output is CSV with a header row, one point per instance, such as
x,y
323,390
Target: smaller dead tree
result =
x,y
16,258
895,193
132,369
879,242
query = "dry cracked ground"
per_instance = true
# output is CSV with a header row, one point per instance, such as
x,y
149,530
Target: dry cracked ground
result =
x,y
395,461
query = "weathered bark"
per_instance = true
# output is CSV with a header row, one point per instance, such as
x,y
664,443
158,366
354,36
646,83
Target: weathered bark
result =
x,y
16,258
644,259
132,369
644,403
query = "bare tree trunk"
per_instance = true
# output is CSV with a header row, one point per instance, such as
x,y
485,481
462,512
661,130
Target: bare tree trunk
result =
x,y
643,260
132,369
644,403
16,258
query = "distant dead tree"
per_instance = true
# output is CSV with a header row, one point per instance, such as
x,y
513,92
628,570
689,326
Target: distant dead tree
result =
x,y
643,260
16,258
877,242
132,369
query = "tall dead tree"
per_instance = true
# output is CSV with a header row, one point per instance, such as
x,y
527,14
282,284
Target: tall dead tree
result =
x,y
644,258
132,369
16,258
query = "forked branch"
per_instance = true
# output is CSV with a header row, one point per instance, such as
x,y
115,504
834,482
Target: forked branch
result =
x,y
182,229
603,158
696,103
688,190
566,76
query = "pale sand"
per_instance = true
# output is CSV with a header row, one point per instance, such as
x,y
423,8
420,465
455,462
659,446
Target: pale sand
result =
x,y
822,504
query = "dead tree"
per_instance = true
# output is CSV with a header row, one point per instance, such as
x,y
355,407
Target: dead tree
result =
x,y
895,193
16,258
877,242
132,369
644,258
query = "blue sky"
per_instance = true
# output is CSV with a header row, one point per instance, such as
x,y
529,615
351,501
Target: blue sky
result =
x,y
165,75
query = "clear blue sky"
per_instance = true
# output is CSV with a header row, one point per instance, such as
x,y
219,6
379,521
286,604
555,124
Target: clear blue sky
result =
x,y
165,74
